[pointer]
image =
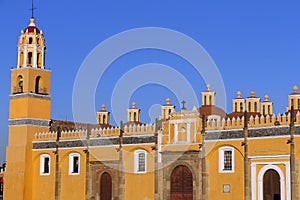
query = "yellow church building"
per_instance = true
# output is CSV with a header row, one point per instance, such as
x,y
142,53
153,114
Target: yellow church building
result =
x,y
199,154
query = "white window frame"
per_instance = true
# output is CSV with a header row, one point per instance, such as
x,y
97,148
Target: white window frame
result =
x,y
136,161
71,160
42,164
221,159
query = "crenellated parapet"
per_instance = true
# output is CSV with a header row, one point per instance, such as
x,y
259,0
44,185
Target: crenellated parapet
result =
x,y
254,121
65,135
142,129
139,129
105,132
45,136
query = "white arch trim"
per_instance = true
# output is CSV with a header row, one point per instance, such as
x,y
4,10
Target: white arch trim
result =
x,y
261,179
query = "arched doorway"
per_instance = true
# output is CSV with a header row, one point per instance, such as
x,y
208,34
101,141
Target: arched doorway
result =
x,y
105,187
181,183
271,185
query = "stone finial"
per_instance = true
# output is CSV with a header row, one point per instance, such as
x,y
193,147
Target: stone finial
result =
x,y
103,107
133,105
168,100
239,94
266,97
295,89
252,93
32,22
208,87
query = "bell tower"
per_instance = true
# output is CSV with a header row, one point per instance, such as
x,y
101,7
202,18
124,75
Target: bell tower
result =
x,y
102,116
167,109
29,111
133,113
208,97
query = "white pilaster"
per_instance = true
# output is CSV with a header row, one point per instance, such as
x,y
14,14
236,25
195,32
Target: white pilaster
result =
x,y
188,133
175,133
25,57
34,64
43,58
19,54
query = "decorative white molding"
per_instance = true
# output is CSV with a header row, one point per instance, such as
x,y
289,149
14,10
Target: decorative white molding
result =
x,y
221,159
71,161
42,164
269,157
136,161
257,182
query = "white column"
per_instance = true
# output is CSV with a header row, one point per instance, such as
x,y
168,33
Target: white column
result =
x,y
188,132
253,180
159,146
19,54
25,57
175,133
288,181
43,59
34,64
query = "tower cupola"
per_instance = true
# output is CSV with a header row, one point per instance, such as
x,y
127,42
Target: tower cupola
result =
x,y
253,103
267,106
31,47
238,104
133,113
103,116
208,97
167,109
294,99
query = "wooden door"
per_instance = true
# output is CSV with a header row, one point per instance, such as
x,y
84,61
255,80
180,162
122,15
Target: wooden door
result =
x,y
181,184
106,187
271,185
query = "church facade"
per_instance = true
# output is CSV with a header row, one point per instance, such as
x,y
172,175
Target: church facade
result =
x,y
197,154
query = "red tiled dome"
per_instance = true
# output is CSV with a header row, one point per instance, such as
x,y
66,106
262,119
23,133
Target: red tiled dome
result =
x,y
31,29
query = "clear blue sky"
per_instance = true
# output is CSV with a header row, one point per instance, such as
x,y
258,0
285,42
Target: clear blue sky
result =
x,y
255,44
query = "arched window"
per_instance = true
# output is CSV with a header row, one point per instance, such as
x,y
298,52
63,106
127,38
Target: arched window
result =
x,y
210,100
104,119
38,85
249,107
21,59
235,107
45,164
30,58
134,117
241,107
74,164
298,104
264,110
255,106
30,40
19,84
269,109
38,60
140,161
292,102
226,159
205,100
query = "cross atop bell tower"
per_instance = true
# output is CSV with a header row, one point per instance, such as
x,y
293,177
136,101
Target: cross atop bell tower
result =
x,y
32,9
